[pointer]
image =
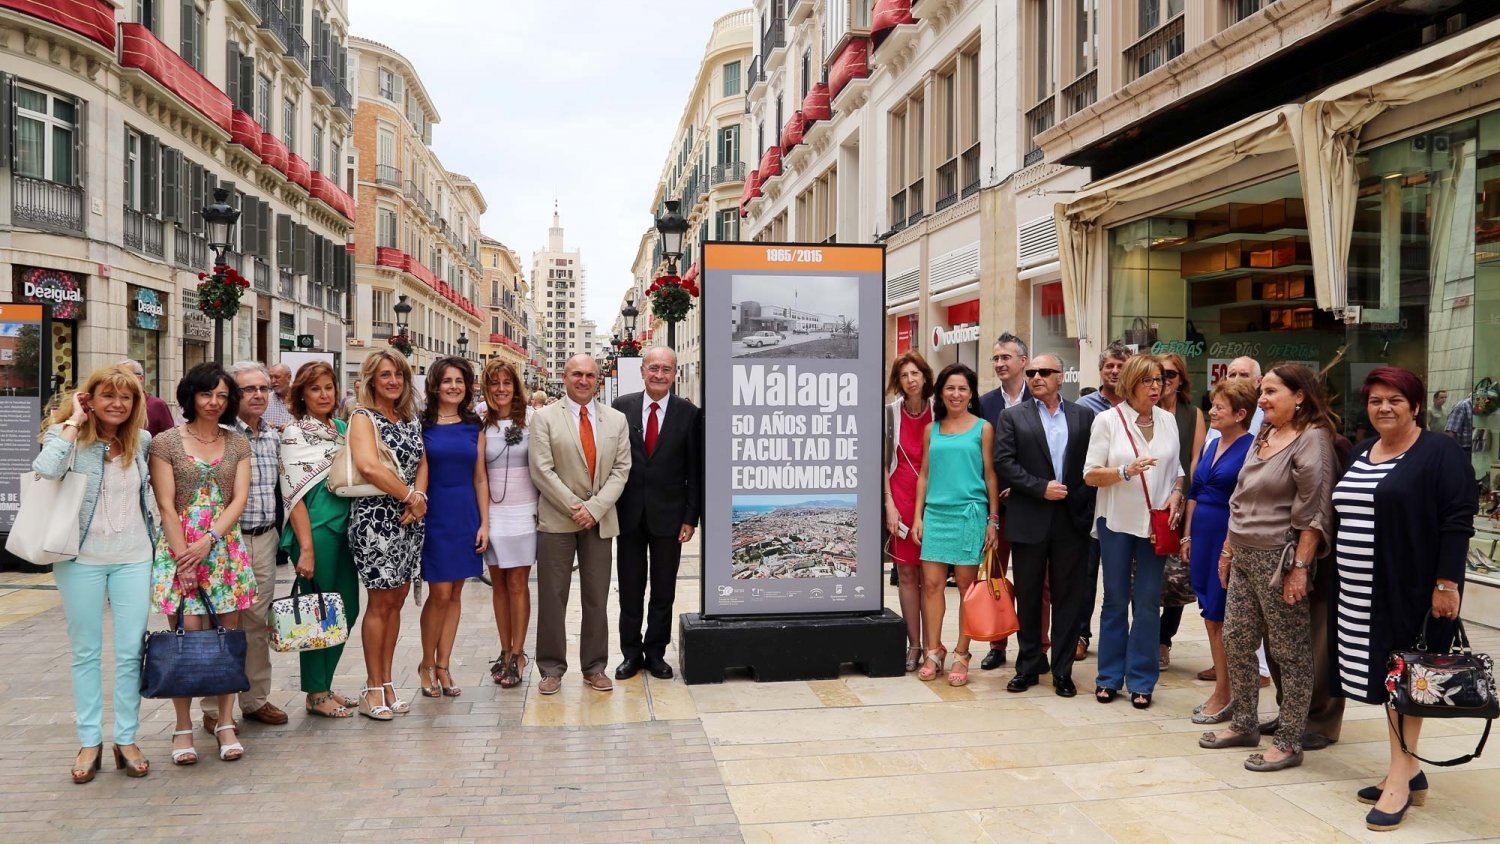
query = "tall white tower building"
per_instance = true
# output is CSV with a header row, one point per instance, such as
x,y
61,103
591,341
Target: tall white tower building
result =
x,y
560,290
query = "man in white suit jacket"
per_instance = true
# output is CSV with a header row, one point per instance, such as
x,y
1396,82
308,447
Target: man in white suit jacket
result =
x,y
580,460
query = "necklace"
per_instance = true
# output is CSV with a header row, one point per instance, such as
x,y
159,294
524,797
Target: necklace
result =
x,y
910,415
442,416
218,434
114,501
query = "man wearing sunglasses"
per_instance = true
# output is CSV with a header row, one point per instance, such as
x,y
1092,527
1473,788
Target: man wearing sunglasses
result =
x,y
1009,358
1040,448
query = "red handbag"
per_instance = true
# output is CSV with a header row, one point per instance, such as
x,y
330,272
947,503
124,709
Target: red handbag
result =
x,y
989,608
1165,539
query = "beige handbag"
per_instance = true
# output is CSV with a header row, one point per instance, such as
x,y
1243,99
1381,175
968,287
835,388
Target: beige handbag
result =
x,y
46,527
344,479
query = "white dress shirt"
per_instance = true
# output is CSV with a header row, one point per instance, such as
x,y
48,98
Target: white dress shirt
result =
x,y
1123,505
573,408
661,412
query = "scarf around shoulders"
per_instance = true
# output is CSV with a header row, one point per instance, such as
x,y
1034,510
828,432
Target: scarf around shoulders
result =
x,y
308,448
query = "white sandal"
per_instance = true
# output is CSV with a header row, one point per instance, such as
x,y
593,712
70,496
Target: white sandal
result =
x,y
226,749
399,706
379,712
180,754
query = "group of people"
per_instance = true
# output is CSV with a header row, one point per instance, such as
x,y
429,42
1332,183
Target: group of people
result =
x,y
1322,554
189,522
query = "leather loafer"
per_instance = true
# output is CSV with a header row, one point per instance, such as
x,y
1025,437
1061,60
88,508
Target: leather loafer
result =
x,y
1064,687
1021,682
629,667
268,714
1270,727
992,660
1208,674
1080,650
210,723
549,685
1315,741
599,682
658,668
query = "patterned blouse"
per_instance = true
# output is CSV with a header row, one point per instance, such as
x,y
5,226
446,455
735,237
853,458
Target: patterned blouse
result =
x,y
188,473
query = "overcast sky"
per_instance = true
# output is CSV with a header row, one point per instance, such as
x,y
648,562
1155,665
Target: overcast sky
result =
x,y
569,99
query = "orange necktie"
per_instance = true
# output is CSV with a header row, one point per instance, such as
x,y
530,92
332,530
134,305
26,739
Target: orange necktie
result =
x,y
586,436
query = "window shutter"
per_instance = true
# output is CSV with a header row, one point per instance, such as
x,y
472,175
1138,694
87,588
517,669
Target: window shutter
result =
x,y
246,70
150,174
189,32
249,225
80,142
264,247
300,236
171,182
232,72
284,241
193,201
7,119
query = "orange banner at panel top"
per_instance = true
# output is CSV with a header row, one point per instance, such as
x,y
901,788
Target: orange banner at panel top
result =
x,y
811,257
20,313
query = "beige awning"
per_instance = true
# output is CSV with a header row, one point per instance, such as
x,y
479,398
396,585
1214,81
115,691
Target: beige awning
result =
x,y
1323,133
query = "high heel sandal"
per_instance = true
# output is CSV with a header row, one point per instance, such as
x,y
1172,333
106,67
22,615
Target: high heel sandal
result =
x,y
232,751
933,665
959,676
87,772
184,755
499,667
379,712
448,691
913,659
427,682
397,705
138,767
512,676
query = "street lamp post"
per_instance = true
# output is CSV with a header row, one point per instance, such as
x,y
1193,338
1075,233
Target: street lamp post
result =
x,y
403,313
672,226
219,217
463,344
630,313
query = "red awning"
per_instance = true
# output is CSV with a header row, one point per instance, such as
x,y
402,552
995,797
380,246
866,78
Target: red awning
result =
x,y
888,15
791,135
770,164
852,62
815,105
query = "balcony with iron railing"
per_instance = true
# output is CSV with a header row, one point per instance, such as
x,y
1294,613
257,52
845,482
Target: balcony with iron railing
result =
x,y
144,233
326,79
47,205
388,174
947,184
914,202
296,48
181,254
286,284
261,276
773,41
1080,93
273,20
380,329
1039,118
1155,48
755,75
732,172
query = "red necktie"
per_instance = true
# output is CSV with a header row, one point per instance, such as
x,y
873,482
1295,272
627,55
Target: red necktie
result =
x,y
651,431
586,439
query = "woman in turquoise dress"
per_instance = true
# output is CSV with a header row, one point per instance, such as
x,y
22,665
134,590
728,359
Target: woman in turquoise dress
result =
x,y
201,472
957,513
316,535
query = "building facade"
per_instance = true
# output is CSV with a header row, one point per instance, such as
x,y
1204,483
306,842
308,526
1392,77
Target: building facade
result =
x,y
881,121
504,290
417,234
559,288
705,173
117,125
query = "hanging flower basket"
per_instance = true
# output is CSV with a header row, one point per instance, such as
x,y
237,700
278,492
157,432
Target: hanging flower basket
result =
x,y
401,343
219,294
630,348
672,297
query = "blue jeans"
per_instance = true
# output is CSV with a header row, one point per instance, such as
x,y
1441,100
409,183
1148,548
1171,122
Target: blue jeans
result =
x,y
1132,586
83,589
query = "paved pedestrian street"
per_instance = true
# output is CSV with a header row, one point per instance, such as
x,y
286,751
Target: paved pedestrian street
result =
x,y
852,759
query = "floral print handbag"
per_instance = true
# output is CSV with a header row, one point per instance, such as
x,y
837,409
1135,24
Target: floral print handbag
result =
x,y
1456,684
308,621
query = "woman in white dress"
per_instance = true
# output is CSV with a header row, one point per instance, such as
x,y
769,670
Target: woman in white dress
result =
x,y
513,501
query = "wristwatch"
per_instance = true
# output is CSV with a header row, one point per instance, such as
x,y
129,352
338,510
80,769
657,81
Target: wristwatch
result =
x,y
1299,564
1444,588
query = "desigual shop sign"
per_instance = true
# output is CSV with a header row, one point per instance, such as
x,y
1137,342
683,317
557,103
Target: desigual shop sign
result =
x,y
64,291
146,308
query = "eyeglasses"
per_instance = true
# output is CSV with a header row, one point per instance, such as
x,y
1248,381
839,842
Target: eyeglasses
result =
x,y
1044,372
255,389
1154,380
1170,374
998,358
661,370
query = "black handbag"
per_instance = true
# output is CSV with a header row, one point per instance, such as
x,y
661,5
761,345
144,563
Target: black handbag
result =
x,y
1456,684
194,663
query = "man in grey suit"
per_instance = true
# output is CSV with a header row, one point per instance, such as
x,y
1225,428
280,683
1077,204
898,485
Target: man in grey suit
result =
x,y
1040,445
580,460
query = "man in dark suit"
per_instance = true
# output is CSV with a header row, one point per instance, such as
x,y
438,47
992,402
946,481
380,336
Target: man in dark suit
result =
x,y
1041,444
1009,358
658,511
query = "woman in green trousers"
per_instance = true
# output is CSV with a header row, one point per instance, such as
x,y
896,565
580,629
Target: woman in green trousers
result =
x,y
318,540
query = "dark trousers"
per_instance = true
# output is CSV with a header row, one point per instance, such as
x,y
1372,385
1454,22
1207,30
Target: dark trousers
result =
x,y
1171,620
1325,712
1060,560
1091,592
634,547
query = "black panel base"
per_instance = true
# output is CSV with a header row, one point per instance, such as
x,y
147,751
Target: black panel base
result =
x,y
780,649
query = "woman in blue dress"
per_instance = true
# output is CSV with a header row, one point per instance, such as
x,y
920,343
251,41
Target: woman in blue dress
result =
x,y
457,518
1232,406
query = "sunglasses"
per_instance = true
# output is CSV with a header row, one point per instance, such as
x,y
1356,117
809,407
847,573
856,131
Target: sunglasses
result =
x,y
1169,374
1044,372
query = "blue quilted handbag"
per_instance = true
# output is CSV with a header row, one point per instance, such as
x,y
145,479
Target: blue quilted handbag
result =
x,y
194,663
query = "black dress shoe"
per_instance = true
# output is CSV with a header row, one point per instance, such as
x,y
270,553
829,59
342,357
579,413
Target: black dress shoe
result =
x,y
1021,682
1270,727
1315,741
1064,687
630,667
658,668
992,660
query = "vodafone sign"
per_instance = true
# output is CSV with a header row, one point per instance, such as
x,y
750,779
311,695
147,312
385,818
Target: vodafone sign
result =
x,y
953,336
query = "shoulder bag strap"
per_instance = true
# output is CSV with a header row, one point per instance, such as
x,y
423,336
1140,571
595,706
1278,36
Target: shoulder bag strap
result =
x,y
1400,724
1136,452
